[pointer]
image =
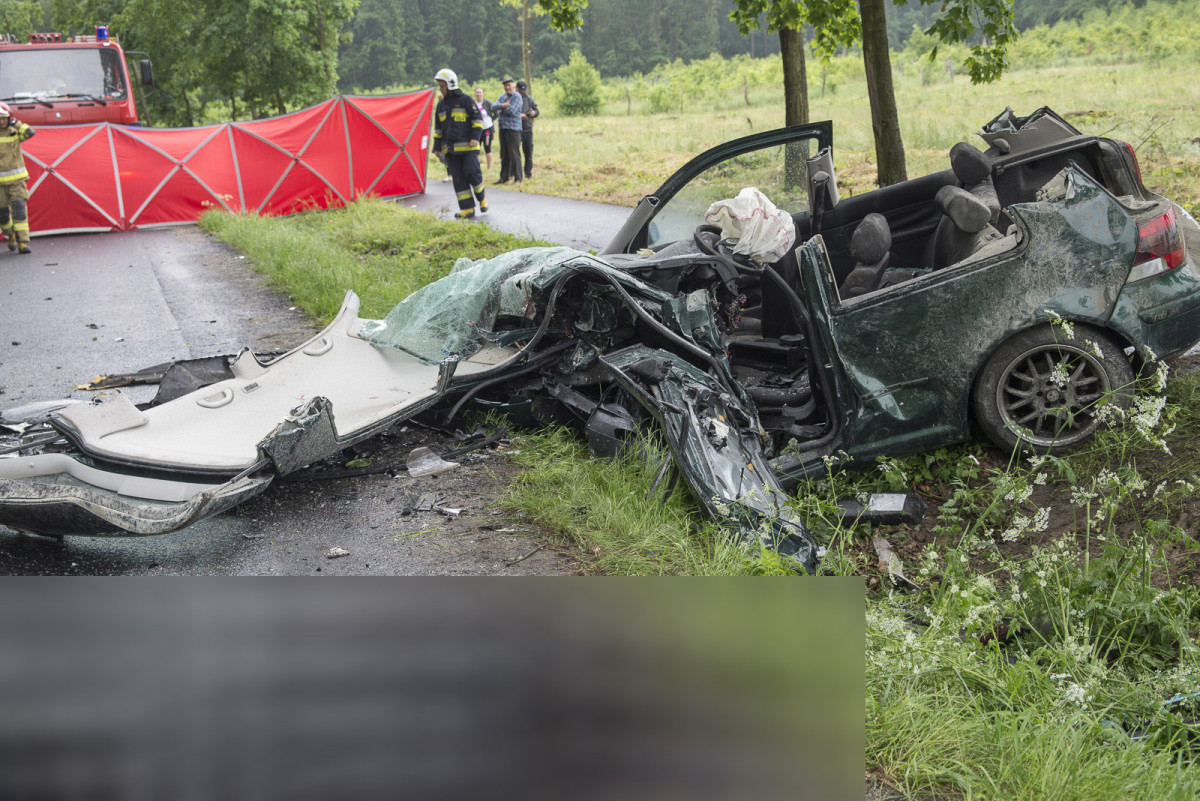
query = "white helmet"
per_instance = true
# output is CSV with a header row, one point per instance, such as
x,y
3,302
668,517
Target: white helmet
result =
x,y
448,76
4,110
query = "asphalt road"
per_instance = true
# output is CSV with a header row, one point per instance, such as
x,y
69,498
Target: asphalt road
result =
x,y
85,305
575,223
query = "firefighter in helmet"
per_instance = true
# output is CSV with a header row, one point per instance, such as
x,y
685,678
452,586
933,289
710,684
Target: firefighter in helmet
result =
x,y
14,194
457,129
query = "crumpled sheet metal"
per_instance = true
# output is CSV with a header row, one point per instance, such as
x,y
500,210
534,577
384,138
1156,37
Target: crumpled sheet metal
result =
x,y
715,441
57,510
457,315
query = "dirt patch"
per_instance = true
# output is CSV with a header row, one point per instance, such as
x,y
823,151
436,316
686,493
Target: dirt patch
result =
x,y
1177,543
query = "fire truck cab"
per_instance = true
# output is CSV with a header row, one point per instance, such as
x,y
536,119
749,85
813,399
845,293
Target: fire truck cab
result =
x,y
52,80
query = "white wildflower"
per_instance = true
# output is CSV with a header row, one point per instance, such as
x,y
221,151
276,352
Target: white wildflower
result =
x,y
1058,375
1041,519
1081,497
1076,695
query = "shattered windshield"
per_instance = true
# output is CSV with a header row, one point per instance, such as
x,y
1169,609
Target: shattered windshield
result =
x,y
461,312
65,72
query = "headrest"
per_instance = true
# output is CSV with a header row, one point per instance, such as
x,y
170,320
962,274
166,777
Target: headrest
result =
x,y
967,212
871,240
969,163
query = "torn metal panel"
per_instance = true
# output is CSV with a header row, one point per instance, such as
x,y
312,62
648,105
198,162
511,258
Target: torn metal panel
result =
x,y
52,504
716,443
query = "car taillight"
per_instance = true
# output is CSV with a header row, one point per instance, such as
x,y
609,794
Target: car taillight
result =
x,y
1137,167
1159,239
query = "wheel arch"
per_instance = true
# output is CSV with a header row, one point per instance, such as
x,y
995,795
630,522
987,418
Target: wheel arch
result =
x,y
1115,337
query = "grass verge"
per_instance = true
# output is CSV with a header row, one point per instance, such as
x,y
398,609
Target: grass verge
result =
x,y
608,510
380,250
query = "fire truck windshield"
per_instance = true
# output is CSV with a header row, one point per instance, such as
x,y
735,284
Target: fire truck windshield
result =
x,y
59,73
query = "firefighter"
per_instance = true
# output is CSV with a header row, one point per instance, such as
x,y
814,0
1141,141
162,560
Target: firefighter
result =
x,y
457,128
13,175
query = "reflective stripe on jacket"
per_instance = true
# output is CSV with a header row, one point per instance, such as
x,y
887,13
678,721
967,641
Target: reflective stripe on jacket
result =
x,y
12,162
456,121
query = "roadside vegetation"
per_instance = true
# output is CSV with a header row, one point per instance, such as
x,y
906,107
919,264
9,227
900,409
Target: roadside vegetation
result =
x,y
382,252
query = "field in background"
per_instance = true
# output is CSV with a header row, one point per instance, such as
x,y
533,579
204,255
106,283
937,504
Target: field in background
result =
x,y
618,157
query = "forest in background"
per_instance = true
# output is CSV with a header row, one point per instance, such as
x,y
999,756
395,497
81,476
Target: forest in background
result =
x,y
403,42
236,59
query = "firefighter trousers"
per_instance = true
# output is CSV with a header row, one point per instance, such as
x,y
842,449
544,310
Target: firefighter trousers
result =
x,y
467,177
14,196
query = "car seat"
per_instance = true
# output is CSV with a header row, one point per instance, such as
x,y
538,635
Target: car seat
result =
x,y
973,169
869,245
964,228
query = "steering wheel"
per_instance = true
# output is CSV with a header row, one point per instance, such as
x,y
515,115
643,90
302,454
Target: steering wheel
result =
x,y
708,239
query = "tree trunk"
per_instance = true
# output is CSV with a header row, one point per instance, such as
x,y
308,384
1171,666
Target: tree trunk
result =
x,y
525,47
885,123
326,56
795,102
795,80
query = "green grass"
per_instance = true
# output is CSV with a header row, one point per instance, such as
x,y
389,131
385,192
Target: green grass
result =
x,y
382,251
607,509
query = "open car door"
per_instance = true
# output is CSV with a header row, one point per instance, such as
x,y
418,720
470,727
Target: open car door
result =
x,y
776,162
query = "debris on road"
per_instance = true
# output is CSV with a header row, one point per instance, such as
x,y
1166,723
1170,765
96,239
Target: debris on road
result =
x,y
424,462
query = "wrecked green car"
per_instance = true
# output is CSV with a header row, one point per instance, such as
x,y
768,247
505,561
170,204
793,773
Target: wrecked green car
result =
x,y
1022,289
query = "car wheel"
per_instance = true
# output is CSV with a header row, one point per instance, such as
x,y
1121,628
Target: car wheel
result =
x,y
1043,390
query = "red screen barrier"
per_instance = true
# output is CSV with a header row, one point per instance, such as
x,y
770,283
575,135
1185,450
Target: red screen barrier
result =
x,y
106,177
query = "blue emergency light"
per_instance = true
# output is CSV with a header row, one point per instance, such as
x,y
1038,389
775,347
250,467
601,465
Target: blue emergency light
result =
x,y
101,33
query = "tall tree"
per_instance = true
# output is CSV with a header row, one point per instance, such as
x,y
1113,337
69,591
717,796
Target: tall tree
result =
x,y
959,21
834,22
20,17
260,56
523,6
564,14
885,121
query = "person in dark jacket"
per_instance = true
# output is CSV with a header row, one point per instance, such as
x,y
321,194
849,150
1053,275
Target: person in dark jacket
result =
x,y
457,128
507,112
529,110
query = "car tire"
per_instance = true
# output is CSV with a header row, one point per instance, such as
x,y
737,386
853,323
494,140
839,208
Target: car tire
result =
x,y
1020,402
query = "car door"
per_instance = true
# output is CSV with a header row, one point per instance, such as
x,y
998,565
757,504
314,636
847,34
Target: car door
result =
x,y
773,161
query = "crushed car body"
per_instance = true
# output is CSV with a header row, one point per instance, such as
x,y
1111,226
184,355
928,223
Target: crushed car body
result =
x,y
1019,290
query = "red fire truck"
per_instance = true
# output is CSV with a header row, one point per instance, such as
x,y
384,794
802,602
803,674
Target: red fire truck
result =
x,y
57,80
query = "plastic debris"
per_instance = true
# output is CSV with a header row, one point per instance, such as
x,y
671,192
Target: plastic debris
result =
x,y
424,462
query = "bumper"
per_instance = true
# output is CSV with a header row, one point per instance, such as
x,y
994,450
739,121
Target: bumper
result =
x,y
1171,329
